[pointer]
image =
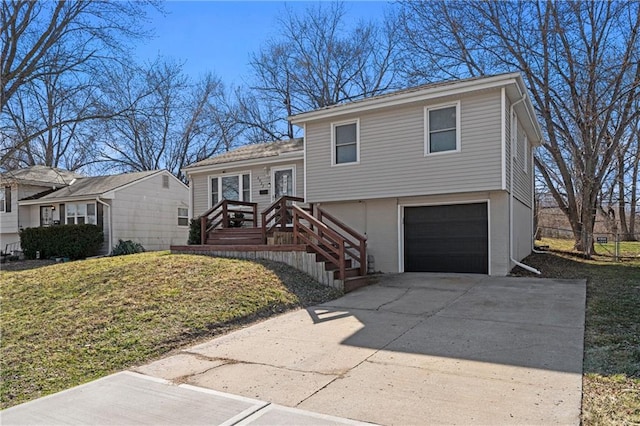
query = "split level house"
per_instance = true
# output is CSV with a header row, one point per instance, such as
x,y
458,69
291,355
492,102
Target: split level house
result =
x,y
436,178
150,208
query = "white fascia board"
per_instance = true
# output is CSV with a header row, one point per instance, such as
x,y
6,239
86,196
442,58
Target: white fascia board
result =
x,y
531,112
50,201
296,155
404,98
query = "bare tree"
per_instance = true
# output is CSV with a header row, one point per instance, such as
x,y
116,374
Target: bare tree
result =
x,y
42,42
580,61
166,121
316,62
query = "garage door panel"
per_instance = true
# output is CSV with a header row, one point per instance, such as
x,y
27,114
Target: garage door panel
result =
x,y
448,238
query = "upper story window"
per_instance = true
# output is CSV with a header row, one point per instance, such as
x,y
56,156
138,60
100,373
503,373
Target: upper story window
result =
x,y
165,181
345,138
5,200
230,187
525,151
442,124
80,213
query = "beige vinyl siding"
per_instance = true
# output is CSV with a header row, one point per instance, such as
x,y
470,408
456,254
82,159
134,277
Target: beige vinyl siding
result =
x,y
392,159
260,180
378,220
147,213
522,236
521,180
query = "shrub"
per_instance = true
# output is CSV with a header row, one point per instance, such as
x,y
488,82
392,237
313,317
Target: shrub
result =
x,y
72,241
127,247
194,232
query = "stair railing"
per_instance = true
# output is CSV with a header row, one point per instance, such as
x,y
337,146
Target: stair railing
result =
x,y
355,243
320,238
277,215
219,216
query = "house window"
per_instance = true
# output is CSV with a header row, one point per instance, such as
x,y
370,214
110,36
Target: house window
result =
x,y
5,199
230,187
525,151
165,181
345,143
443,129
183,216
80,213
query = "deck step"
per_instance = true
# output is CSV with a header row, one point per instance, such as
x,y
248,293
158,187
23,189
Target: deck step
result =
x,y
328,266
348,273
353,283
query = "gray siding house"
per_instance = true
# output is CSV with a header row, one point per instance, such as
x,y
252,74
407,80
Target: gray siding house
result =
x,y
150,208
438,177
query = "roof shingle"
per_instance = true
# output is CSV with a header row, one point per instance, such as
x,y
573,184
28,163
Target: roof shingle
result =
x,y
253,151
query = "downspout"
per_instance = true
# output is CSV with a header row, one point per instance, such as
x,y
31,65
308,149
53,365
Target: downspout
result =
x,y
520,264
108,222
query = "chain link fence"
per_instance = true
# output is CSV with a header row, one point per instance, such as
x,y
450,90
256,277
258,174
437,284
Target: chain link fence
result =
x,y
605,245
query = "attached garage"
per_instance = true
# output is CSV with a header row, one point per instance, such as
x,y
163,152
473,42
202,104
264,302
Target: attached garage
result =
x,y
446,238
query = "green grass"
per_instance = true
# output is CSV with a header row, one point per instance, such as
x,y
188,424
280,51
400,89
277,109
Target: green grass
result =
x,y
626,249
67,324
611,382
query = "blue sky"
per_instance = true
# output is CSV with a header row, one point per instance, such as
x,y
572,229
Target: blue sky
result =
x,y
219,36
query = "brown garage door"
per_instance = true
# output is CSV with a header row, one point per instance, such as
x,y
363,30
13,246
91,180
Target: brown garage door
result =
x,y
449,238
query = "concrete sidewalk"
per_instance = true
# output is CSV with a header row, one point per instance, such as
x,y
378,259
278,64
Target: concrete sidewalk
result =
x,y
413,349
134,399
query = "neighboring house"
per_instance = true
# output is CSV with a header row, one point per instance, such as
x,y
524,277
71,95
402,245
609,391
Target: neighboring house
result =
x,y
22,183
150,208
438,177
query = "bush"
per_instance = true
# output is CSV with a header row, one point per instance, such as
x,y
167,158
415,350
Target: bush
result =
x,y
127,247
194,232
72,241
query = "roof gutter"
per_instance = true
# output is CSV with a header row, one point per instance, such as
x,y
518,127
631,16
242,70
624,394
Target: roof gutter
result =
x,y
520,264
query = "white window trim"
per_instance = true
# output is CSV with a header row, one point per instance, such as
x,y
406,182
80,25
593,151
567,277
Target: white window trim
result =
x,y
525,165
291,167
66,213
183,217
427,151
333,142
220,176
514,134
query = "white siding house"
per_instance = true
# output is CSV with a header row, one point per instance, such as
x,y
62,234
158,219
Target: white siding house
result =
x,y
22,184
150,208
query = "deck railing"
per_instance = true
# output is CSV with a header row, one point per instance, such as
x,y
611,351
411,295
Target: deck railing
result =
x,y
355,243
220,216
279,214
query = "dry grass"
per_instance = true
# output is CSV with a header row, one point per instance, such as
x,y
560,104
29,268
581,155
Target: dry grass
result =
x,y
611,382
70,323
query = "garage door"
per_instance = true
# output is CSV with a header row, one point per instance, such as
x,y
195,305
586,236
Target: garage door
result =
x,y
451,238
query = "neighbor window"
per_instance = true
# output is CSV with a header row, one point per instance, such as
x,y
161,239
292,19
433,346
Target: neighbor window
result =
x,y
183,216
442,129
230,187
345,143
5,200
165,181
80,213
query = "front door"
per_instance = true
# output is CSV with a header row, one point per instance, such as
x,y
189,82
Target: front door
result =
x,y
46,215
282,182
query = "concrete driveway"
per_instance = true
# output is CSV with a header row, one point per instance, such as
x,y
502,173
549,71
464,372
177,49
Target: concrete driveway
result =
x,y
412,349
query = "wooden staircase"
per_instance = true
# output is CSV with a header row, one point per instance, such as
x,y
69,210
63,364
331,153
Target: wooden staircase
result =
x,y
340,249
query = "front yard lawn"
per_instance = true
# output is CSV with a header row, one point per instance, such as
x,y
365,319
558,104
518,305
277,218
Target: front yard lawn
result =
x,y
66,324
611,381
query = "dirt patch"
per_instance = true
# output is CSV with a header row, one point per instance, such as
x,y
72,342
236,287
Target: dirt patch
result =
x,y
22,265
